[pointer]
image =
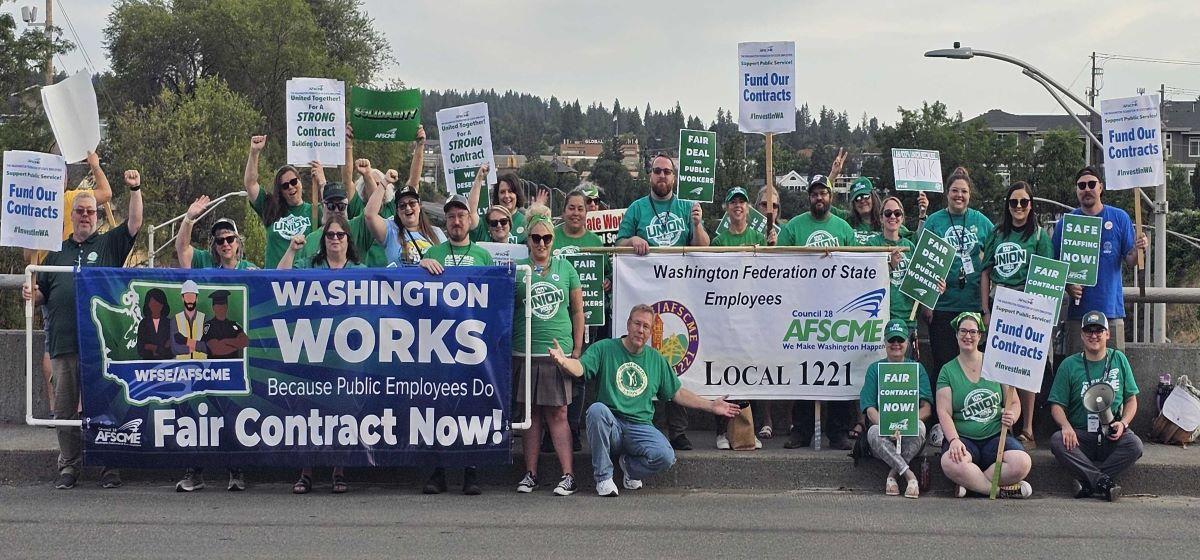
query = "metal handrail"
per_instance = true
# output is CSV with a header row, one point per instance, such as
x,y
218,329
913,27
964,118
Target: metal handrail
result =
x,y
212,205
528,422
29,418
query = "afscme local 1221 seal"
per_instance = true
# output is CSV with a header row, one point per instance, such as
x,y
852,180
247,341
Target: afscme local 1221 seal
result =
x,y
676,335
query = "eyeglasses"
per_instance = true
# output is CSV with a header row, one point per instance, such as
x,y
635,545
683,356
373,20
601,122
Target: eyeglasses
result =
x,y
1087,185
498,223
968,332
539,239
862,197
227,240
1092,332
893,213
294,182
663,171
338,235
85,211
335,206
1018,203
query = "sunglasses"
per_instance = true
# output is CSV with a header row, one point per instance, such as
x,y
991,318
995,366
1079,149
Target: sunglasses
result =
x,y
893,213
1093,332
663,171
409,204
227,240
498,223
1018,203
1087,185
335,206
539,239
862,197
338,235
85,212
293,183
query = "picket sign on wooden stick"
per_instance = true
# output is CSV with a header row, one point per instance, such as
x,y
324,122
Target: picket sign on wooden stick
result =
x,y
1000,448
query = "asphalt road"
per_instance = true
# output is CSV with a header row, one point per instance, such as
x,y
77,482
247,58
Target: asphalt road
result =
x,y
151,521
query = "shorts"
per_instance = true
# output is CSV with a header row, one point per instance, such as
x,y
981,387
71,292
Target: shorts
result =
x,y
983,451
551,387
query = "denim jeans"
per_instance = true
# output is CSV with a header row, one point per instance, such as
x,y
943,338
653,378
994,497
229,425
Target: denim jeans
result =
x,y
646,448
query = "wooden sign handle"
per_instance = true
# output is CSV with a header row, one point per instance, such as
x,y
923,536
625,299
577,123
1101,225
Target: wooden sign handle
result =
x,y
1000,448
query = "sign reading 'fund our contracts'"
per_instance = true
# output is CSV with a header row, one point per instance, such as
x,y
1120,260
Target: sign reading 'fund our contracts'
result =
x,y
1133,155
767,82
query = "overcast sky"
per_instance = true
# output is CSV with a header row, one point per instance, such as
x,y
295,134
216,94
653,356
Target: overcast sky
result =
x,y
858,57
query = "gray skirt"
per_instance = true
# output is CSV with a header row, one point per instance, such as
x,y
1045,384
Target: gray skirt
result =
x,y
551,387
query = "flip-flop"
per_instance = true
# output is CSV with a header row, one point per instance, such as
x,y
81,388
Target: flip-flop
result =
x,y
302,486
913,490
339,484
1027,441
891,488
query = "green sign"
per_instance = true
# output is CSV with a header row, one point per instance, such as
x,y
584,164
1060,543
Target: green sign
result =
x,y
917,170
591,275
930,264
1047,277
697,165
385,116
755,221
1081,248
899,399
463,179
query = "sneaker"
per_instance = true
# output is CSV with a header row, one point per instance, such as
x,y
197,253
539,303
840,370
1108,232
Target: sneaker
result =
x,y
66,480
471,482
191,482
960,492
757,443
766,432
1109,489
566,486
237,482
936,436
1019,490
1083,489
628,482
527,484
606,488
796,441
681,443
436,483
110,478
722,441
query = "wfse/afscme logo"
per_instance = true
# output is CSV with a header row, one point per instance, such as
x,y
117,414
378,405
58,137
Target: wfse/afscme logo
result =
x,y
824,326
129,433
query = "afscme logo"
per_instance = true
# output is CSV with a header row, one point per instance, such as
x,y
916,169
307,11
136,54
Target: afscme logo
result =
x,y
869,302
128,433
816,326
389,133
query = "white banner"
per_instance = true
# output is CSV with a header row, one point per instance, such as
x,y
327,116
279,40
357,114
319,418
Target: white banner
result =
x,y
466,139
33,201
605,224
767,87
773,326
74,117
504,254
316,121
1018,338
1133,155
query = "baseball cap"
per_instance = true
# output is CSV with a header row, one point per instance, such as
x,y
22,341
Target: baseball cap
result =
x,y
590,191
333,190
861,185
407,190
1095,318
189,287
455,200
499,208
1088,170
818,181
895,329
736,191
223,224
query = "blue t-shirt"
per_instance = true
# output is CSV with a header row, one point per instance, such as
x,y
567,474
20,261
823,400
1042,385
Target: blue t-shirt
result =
x,y
1116,241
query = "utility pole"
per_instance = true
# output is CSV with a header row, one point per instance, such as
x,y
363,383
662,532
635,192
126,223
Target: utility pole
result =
x,y
50,35
1092,102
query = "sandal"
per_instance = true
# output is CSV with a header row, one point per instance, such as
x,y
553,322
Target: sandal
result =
x,y
913,490
339,484
766,432
1027,440
302,486
856,431
891,488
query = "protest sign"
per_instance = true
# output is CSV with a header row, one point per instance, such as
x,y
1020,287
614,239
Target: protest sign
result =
x,y
930,263
295,368
727,328
33,209
1018,339
755,220
1081,248
605,224
385,116
466,140
767,82
74,117
917,170
591,270
1132,135
1047,277
504,254
316,121
697,165
899,399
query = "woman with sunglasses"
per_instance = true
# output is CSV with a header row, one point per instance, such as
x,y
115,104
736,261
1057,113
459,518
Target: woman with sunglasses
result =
x,y
224,242
1006,256
893,224
506,193
336,252
499,225
557,319
971,410
283,211
408,234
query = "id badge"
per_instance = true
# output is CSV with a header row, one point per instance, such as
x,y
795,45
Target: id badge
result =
x,y
968,265
1093,423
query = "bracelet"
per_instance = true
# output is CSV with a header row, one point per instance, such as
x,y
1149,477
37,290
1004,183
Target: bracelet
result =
x,y
135,189
952,440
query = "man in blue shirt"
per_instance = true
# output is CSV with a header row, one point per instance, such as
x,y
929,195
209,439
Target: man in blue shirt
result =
x,y
1117,246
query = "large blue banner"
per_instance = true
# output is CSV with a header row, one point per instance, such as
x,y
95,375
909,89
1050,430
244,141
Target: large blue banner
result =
x,y
355,367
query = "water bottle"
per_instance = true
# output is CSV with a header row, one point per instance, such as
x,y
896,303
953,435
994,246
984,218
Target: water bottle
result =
x,y
1164,390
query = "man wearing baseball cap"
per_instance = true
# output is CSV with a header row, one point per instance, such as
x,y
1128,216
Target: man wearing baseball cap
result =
x,y
1093,452
333,196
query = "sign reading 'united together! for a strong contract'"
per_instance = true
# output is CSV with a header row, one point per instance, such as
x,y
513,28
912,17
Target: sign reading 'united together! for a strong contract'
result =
x,y
775,326
316,121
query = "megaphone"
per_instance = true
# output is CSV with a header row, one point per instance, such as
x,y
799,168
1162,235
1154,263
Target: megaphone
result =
x,y
1098,399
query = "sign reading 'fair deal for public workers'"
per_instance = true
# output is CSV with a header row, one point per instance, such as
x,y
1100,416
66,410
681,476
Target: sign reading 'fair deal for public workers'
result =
x,y
917,170
697,165
1133,155
316,121
33,201
767,82
1081,248
899,399
929,265
466,139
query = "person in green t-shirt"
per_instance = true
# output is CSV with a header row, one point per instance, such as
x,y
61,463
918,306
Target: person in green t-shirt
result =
x,y
508,194
965,228
556,302
739,233
283,211
224,242
333,198
883,445
629,375
498,221
970,411
1095,452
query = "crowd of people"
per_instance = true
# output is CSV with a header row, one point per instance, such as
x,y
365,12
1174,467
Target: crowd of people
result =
x,y
373,221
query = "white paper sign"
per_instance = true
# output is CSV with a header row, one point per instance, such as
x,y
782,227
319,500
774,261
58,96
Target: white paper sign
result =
x,y
1018,339
316,121
917,170
767,87
1183,409
1133,155
466,139
504,254
71,109
33,212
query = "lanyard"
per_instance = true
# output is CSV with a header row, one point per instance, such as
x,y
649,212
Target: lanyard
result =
x,y
458,258
1087,370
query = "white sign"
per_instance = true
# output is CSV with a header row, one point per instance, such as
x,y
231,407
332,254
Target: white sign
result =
x,y
33,200
71,109
605,224
504,254
466,139
767,87
316,121
771,326
917,170
1018,338
1133,155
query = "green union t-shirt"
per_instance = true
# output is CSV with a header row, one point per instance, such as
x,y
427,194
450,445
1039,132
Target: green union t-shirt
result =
x,y
370,253
448,255
516,228
976,406
627,383
551,303
1008,255
900,306
662,223
566,245
806,231
966,232
749,236
297,220
869,396
203,259
1076,374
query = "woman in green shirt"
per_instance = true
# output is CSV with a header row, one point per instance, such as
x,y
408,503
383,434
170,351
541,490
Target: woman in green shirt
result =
x,y
283,211
866,215
557,317
971,410
507,193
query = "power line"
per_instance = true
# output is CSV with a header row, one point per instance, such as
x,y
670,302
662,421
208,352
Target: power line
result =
x,y
1110,56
